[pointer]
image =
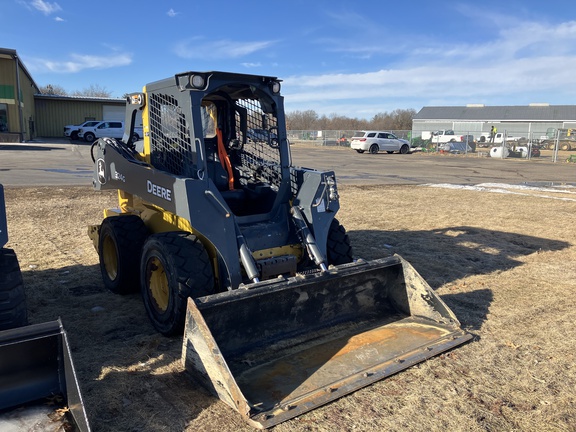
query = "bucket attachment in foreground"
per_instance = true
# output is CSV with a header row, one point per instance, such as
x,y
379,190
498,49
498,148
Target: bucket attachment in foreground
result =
x,y
38,380
281,348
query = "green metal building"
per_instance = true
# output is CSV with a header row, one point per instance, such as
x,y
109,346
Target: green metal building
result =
x,y
26,114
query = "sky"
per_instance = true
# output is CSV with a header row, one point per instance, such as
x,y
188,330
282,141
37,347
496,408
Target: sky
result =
x,y
350,58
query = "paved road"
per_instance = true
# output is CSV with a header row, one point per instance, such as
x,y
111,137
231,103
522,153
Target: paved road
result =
x,y
58,162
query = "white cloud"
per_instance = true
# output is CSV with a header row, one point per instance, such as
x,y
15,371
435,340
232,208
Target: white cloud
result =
x,y
519,62
251,65
59,19
78,63
46,8
172,13
198,47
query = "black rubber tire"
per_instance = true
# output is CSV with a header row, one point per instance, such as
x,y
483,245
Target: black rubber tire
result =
x,y
360,151
174,267
389,151
119,248
89,137
74,135
374,149
565,146
404,149
338,246
13,311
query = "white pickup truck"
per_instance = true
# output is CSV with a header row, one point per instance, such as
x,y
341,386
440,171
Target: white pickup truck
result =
x,y
110,129
446,136
484,139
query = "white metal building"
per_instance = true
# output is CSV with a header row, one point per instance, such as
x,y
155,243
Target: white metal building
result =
x,y
530,121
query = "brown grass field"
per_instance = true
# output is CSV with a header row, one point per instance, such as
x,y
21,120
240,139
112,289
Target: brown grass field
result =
x,y
505,263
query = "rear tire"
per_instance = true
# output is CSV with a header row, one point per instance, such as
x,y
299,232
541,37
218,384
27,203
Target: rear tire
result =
x,y
13,312
120,247
374,148
565,146
338,246
360,151
174,266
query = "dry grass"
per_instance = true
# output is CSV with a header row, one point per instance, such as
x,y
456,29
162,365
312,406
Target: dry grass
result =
x,y
505,264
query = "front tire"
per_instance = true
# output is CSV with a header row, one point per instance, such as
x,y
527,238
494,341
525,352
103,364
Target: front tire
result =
x,y
89,137
13,312
74,135
404,149
119,247
374,148
174,266
338,249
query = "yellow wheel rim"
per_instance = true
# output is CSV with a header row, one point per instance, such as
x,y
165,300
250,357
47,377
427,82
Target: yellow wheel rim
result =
x,y
110,257
158,284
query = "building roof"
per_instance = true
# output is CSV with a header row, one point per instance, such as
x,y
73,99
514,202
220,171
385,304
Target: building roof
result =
x,y
79,98
534,112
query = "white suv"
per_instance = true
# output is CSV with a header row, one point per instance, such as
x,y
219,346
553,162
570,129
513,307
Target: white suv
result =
x,y
71,131
374,141
110,129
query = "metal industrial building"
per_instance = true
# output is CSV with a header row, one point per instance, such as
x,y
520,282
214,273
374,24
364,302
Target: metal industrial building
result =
x,y
534,120
25,113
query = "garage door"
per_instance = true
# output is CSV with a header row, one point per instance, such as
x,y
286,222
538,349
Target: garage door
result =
x,y
113,112
117,113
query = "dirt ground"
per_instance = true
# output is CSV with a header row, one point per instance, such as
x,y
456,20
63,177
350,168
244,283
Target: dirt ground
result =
x,y
503,260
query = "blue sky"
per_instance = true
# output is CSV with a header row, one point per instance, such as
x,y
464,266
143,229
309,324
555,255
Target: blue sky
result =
x,y
352,58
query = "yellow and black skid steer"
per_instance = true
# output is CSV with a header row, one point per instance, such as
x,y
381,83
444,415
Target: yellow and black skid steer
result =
x,y
239,249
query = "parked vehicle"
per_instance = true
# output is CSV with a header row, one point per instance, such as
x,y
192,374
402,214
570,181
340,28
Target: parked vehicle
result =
x,y
448,135
375,141
499,138
566,139
71,131
109,129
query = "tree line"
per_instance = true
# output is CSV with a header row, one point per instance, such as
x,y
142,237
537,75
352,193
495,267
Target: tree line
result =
x,y
93,90
399,119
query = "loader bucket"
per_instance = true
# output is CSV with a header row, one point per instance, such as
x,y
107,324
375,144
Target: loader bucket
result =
x,y
38,380
277,349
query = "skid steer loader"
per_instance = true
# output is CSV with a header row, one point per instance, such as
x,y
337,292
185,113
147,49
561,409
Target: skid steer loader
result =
x,y
38,385
223,236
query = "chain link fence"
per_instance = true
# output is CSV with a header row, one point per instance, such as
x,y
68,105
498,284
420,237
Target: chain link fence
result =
x,y
556,145
334,137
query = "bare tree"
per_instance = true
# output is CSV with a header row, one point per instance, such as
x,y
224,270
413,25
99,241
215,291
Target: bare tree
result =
x,y
53,89
94,90
302,120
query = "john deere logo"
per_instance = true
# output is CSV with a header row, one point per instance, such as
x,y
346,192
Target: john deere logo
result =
x,y
101,167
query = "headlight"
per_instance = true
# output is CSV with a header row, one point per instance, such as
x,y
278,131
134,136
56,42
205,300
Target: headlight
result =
x,y
275,87
197,81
